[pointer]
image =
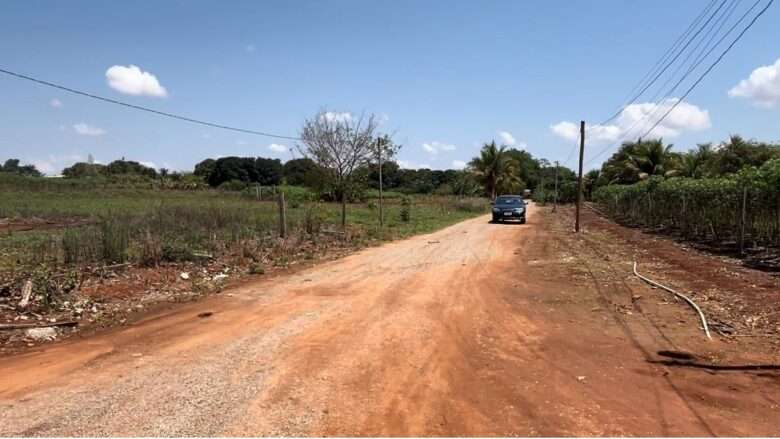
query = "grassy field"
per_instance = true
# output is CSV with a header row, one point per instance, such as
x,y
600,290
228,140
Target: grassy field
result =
x,y
152,226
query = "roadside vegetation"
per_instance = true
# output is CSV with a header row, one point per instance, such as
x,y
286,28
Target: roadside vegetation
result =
x,y
724,197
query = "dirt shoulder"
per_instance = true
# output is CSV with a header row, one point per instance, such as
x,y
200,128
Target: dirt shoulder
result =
x,y
477,330
742,304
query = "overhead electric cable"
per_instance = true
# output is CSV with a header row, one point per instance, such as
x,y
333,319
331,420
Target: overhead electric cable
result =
x,y
141,108
712,66
696,63
667,65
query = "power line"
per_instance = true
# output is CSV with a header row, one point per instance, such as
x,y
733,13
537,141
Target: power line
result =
x,y
668,64
699,59
149,110
693,67
712,66
661,60
709,36
573,150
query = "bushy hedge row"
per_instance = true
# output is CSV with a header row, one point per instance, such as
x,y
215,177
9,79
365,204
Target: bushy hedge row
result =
x,y
703,209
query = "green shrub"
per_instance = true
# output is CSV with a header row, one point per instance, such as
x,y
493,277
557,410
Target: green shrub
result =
x,y
115,237
406,209
233,186
702,209
174,252
314,218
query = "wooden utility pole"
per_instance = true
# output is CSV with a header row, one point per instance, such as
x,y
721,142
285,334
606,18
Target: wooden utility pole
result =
x,y
579,180
555,201
379,154
282,216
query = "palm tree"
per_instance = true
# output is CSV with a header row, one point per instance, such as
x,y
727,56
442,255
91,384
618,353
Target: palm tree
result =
x,y
694,164
495,169
651,158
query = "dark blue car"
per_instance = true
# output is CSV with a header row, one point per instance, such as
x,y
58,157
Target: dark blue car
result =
x,y
509,207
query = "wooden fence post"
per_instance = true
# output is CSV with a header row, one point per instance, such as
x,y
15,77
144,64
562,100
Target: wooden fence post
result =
x,y
744,220
282,216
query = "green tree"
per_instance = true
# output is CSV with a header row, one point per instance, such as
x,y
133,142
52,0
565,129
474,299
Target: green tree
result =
x,y
231,168
84,170
119,167
737,153
205,168
302,172
651,158
696,163
12,166
268,172
495,170
636,161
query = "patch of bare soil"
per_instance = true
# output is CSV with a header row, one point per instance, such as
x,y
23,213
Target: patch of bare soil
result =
x,y
8,225
740,301
87,299
476,330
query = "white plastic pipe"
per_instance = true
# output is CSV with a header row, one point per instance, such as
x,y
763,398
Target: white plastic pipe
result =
x,y
682,296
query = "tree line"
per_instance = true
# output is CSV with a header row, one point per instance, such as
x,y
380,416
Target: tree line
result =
x,y
727,195
637,161
342,157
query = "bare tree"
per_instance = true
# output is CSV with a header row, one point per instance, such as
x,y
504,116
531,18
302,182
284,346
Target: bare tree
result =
x,y
340,143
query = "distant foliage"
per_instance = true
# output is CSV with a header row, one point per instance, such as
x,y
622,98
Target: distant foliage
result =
x,y
705,209
496,170
267,172
12,166
125,167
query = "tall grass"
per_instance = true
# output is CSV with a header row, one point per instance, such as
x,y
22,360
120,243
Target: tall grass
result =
x,y
154,226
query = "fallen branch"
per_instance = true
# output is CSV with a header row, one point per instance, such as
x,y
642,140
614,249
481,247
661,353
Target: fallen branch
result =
x,y
11,326
682,296
111,267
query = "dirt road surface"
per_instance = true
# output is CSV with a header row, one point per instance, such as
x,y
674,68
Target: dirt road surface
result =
x,y
478,329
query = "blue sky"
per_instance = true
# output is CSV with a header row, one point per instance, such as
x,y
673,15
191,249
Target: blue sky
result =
x,y
446,74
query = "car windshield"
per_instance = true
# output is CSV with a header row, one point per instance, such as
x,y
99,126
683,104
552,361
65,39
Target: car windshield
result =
x,y
509,201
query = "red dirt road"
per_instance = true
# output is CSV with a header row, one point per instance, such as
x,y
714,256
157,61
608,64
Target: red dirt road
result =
x,y
478,329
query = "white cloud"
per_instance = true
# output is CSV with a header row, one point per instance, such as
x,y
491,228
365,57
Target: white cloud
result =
x,y
636,119
88,130
250,48
149,164
54,164
55,103
507,138
458,164
762,86
407,164
277,147
335,116
132,80
434,148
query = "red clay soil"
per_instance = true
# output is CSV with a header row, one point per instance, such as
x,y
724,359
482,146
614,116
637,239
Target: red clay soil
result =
x,y
479,329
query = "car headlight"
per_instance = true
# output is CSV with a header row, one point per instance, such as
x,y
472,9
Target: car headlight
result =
x,y
519,210
495,209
